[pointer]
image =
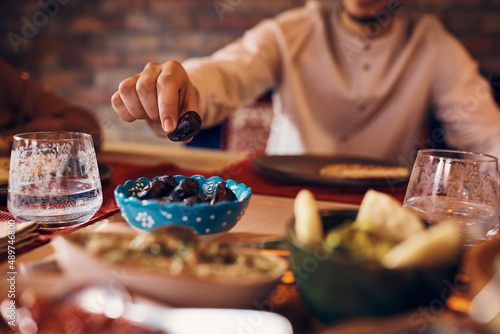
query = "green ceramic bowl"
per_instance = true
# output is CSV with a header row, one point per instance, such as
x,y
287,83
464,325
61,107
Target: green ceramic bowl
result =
x,y
336,288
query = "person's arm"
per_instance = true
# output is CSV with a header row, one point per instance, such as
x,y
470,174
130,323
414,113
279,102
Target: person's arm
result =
x,y
463,98
27,106
237,74
212,86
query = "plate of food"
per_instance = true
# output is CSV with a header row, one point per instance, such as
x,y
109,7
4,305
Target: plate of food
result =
x,y
171,264
331,170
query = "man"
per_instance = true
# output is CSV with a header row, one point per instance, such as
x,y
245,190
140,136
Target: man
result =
x,y
353,77
26,106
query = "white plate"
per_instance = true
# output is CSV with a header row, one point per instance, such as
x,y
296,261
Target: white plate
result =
x,y
208,321
181,291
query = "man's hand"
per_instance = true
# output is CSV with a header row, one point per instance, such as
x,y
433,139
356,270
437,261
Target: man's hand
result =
x,y
159,94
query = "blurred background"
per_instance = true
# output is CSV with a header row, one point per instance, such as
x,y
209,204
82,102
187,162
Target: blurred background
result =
x,y
84,48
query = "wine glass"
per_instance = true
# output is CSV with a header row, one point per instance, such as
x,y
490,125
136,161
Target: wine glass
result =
x,y
54,179
456,185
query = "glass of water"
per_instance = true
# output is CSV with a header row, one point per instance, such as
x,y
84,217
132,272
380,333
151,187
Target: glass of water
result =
x,y
54,179
456,185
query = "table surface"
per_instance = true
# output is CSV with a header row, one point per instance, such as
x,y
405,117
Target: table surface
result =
x,y
183,156
265,219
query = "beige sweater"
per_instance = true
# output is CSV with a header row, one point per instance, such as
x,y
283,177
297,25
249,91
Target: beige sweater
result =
x,y
335,93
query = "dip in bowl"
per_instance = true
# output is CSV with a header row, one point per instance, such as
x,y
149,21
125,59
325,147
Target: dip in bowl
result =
x,y
171,264
336,287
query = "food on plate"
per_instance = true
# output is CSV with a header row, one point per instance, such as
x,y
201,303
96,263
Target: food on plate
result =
x,y
363,171
385,233
176,250
166,189
308,225
4,170
188,126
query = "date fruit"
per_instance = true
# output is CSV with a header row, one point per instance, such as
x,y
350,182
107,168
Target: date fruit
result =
x,y
187,187
222,193
187,192
169,180
188,126
155,189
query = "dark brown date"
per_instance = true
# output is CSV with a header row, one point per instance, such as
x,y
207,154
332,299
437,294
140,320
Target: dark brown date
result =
x,y
192,200
187,187
222,193
188,126
154,189
166,190
169,180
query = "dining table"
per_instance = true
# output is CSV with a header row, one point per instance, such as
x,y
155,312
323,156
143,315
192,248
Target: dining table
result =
x,y
265,221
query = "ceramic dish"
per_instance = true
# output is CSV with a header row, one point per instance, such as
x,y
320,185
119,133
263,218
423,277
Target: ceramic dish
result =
x,y
204,218
182,290
337,288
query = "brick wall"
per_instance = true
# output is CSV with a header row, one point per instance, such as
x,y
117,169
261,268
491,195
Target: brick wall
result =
x,y
84,48
475,22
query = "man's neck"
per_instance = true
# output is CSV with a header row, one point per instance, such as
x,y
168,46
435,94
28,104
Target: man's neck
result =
x,y
366,28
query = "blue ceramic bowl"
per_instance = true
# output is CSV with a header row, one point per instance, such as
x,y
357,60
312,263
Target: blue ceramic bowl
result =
x,y
204,218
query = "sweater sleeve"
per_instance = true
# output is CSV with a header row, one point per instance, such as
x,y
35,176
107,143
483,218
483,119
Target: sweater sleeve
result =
x,y
463,98
236,74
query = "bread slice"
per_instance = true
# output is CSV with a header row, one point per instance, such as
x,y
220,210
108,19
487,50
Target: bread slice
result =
x,y
438,245
387,218
363,171
308,224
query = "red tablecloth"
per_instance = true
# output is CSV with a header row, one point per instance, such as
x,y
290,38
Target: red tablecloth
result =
x,y
242,172
121,173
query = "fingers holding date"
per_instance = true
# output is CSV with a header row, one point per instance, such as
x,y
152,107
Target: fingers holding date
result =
x,y
188,126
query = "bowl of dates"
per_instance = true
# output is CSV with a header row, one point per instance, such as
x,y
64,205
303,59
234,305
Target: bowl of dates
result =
x,y
207,205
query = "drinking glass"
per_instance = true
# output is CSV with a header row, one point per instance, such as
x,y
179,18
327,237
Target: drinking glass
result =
x,y
54,179
456,185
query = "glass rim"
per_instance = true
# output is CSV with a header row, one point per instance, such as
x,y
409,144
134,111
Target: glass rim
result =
x,y
37,135
435,152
